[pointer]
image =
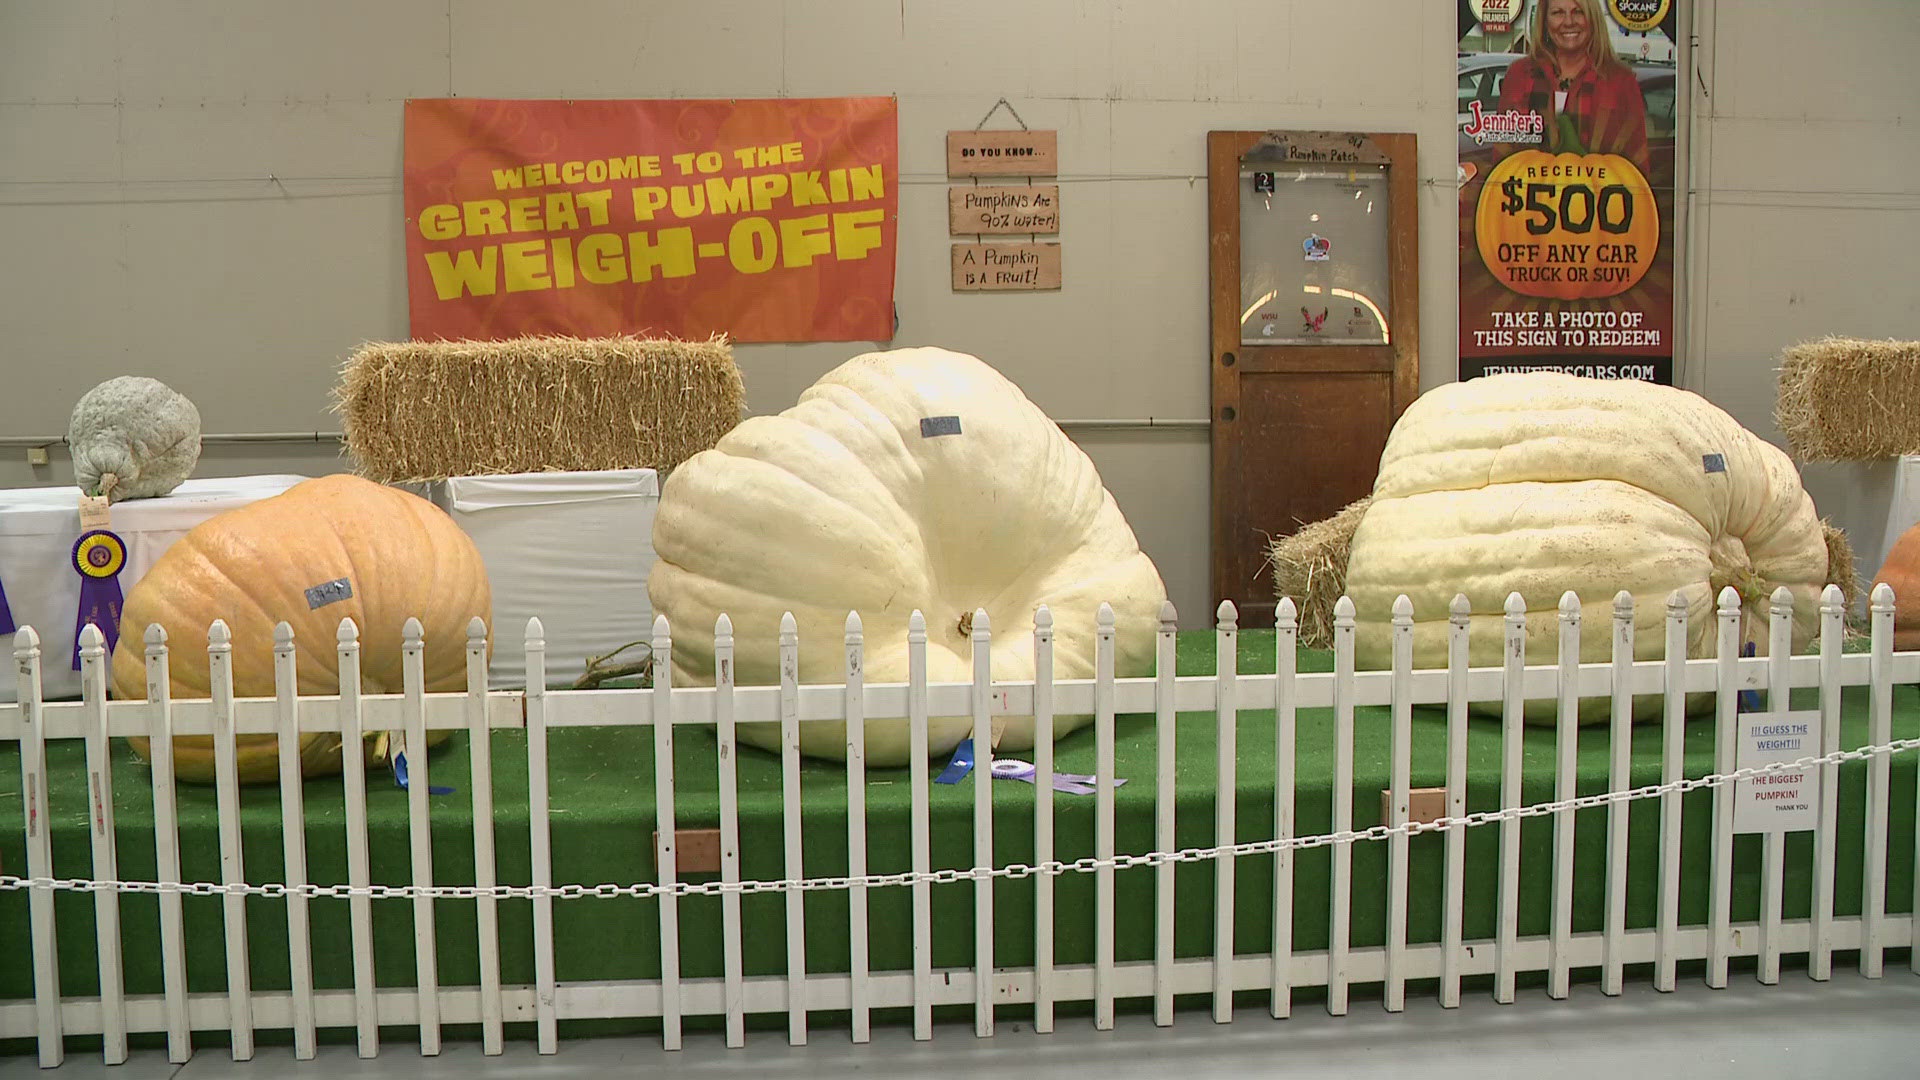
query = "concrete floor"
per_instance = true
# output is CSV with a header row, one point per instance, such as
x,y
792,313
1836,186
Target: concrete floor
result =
x,y
1852,1027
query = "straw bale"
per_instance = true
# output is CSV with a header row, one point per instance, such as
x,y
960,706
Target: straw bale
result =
x,y
1843,399
1311,567
1841,570
427,410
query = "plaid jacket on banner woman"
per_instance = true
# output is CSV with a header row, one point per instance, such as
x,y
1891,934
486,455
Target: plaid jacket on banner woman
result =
x,y
1608,113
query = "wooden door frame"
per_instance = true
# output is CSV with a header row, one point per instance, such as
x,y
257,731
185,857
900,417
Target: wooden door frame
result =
x,y
1401,357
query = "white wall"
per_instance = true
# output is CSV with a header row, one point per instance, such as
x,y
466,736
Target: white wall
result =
x,y
209,193
1807,222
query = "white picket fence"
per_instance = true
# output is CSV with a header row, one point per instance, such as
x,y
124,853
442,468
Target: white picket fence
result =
x,y
241,1010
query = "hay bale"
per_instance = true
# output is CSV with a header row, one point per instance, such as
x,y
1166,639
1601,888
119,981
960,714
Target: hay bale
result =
x,y
1311,567
426,410
1841,570
1842,399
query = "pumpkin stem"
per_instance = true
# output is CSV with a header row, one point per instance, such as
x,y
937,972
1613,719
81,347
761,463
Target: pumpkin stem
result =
x,y
965,625
598,669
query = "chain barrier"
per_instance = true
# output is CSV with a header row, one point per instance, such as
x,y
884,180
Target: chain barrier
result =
x,y
1013,872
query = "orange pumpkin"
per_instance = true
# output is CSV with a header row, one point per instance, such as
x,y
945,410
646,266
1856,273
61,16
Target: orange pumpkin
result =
x,y
326,549
1567,226
1901,571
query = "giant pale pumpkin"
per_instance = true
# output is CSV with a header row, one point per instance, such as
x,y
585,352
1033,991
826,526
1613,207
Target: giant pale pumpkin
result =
x,y
331,548
1539,483
911,479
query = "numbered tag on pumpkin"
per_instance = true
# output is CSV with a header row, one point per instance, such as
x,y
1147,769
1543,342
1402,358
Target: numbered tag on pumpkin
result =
x,y
94,513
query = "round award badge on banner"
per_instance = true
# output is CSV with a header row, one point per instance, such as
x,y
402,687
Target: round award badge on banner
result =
x,y
99,555
1639,16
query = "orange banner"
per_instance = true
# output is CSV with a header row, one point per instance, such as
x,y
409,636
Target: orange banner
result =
x,y
765,220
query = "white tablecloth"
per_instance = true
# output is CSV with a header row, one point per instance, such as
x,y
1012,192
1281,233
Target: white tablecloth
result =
x,y
573,548
37,529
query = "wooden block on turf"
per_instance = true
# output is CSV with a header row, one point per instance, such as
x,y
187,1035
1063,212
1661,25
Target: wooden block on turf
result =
x,y
1423,804
696,851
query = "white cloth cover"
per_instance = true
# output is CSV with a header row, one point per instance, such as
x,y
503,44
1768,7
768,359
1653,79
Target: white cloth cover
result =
x,y
37,529
1873,502
573,548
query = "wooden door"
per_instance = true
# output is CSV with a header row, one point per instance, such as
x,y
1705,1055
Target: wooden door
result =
x,y
1298,427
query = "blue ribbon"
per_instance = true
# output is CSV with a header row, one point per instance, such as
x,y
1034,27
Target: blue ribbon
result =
x,y
1750,699
6,613
400,775
960,765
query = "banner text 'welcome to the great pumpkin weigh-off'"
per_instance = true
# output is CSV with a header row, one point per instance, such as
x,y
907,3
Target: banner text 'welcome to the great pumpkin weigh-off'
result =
x,y
765,220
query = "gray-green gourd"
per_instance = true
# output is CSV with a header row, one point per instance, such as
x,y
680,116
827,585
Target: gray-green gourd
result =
x,y
133,438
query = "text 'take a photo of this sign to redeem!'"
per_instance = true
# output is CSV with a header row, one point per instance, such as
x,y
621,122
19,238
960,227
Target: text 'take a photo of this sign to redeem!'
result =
x,y
1567,226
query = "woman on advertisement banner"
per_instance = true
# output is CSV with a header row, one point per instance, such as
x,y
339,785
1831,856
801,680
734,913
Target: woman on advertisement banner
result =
x,y
1590,100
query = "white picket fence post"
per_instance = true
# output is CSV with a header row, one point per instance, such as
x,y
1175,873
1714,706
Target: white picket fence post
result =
x,y
33,794
859,993
106,904
1103,812
981,694
480,773
166,845
1873,941
293,836
1513,702
359,873
1285,733
1672,754
922,841
1459,624
1339,909
797,996
1042,817
1832,624
1399,809
540,832
728,743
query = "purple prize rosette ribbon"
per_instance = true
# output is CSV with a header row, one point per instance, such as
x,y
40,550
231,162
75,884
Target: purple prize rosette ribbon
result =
x,y
99,556
1071,783
1013,769
6,613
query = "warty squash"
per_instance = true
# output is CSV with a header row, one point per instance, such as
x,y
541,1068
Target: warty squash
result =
x,y
331,548
911,479
133,438
1540,482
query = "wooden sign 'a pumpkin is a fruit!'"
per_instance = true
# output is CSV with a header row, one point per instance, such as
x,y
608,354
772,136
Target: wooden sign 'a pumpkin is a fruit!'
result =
x,y
1566,172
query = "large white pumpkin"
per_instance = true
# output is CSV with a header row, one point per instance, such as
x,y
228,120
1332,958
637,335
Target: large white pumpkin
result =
x,y
911,479
1539,483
